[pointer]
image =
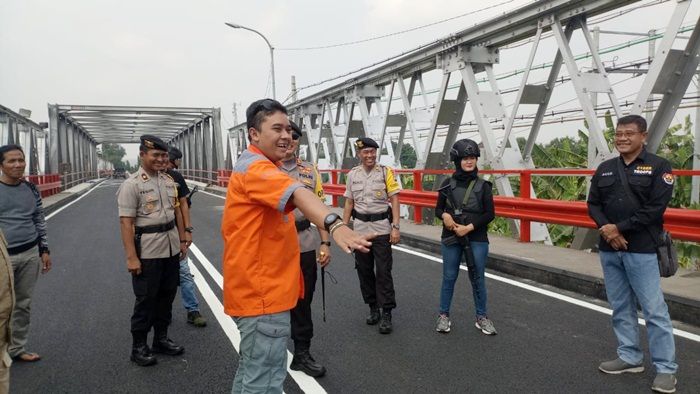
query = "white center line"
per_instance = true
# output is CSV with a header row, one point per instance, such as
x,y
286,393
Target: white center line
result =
x,y
307,383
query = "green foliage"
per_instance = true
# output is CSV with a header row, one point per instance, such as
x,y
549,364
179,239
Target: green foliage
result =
x,y
568,152
113,153
408,157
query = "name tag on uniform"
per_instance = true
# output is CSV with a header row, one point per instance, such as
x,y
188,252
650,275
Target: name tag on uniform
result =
x,y
643,170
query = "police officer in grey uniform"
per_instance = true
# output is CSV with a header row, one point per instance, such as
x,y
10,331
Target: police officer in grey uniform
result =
x,y
153,235
302,323
371,187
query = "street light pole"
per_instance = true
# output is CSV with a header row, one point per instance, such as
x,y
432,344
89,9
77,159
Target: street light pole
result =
x,y
272,53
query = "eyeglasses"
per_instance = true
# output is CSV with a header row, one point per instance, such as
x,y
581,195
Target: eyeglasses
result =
x,y
626,134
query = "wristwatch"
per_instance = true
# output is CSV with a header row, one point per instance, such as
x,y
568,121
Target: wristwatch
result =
x,y
327,243
396,226
330,219
189,229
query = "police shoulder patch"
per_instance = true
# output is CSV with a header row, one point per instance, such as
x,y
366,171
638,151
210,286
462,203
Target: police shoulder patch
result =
x,y
668,178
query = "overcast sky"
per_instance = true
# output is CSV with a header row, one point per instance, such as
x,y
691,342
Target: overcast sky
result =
x,y
180,53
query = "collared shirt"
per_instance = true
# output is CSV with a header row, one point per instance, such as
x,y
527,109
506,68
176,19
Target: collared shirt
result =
x,y
262,274
7,294
370,192
151,201
308,175
651,181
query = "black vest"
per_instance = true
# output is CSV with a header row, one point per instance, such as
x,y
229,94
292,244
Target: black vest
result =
x,y
473,206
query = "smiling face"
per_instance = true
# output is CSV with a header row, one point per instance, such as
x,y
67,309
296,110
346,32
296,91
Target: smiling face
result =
x,y
368,157
154,160
468,163
292,150
13,165
274,137
629,140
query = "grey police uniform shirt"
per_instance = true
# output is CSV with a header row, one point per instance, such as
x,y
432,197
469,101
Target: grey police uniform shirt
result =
x,y
151,201
370,192
306,173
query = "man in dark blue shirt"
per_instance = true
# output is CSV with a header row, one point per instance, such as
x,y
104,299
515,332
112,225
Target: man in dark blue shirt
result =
x,y
629,226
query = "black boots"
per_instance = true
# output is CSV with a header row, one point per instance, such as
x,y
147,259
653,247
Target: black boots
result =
x,y
373,317
141,353
303,361
385,322
164,345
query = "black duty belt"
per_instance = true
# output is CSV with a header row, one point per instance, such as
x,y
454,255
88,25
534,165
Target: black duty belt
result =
x,y
302,225
156,228
370,217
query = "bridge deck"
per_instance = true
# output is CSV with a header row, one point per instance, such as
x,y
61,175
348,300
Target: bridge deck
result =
x,y
81,315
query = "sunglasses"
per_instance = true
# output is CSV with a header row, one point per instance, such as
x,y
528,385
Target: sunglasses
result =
x,y
263,105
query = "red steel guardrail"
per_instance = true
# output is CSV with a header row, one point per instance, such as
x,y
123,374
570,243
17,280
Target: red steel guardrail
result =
x,y
47,184
681,222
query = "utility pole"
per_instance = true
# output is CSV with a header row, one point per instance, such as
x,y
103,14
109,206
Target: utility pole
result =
x,y
294,89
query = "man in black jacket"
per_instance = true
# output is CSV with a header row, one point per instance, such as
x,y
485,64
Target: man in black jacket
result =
x,y
629,227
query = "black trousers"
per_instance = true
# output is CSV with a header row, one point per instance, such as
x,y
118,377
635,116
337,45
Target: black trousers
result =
x,y
377,290
155,289
302,324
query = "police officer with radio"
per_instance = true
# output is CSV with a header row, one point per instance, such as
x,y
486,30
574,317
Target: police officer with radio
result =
x,y
372,200
154,240
627,200
310,239
465,206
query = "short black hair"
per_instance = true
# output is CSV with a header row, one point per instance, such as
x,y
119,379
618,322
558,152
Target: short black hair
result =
x,y
9,148
174,154
259,109
636,119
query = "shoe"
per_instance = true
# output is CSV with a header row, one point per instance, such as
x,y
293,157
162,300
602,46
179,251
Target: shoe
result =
x,y
443,324
485,325
303,361
664,383
617,366
165,345
373,317
195,318
385,323
142,356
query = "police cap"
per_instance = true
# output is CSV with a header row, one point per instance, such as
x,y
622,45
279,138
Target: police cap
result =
x,y
296,131
366,142
464,148
149,142
174,154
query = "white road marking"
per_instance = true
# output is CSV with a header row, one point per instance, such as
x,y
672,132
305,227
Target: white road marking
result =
x,y
305,382
548,293
70,203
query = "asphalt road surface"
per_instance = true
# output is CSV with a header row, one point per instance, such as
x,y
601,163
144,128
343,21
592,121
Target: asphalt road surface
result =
x,y
80,325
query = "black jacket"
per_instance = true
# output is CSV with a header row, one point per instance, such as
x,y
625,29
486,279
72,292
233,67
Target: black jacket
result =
x,y
651,181
478,211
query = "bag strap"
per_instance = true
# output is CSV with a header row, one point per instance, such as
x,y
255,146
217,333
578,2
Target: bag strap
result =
x,y
626,185
451,197
633,197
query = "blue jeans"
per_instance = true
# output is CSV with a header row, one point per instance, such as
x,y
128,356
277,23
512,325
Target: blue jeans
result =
x,y
262,366
451,259
189,296
632,277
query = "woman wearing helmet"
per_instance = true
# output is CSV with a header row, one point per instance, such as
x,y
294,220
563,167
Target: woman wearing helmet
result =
x,y
465,206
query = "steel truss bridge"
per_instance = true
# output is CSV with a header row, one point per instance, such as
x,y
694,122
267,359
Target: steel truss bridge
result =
x,y
395,102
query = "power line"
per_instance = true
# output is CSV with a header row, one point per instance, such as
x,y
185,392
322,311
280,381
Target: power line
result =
x,y
519,71
395,33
